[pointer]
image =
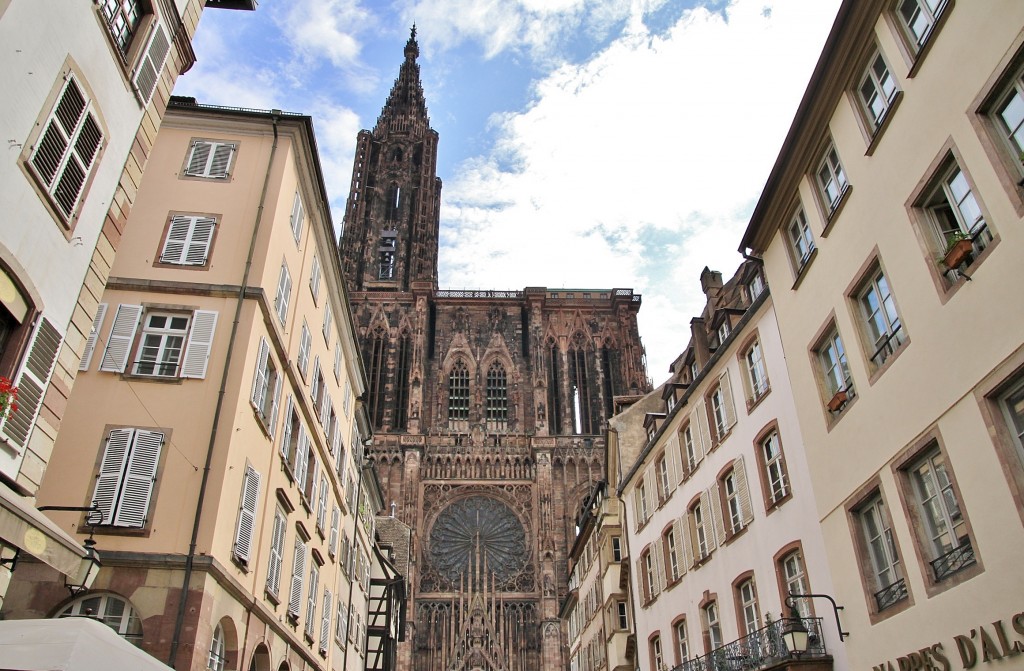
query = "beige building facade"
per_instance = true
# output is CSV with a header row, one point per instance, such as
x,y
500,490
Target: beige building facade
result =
x,y
891,233
215,424
719,519
85,89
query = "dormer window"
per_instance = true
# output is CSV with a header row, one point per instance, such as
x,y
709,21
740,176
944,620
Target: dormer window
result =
x,y
723,332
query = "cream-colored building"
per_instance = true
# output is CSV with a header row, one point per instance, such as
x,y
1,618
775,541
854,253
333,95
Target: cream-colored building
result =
x,y
215,423
85,85
892,235
719,517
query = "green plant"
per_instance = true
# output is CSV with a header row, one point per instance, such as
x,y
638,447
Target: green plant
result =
x,y
953,238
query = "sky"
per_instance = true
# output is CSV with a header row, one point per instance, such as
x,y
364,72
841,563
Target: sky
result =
x,y
583,143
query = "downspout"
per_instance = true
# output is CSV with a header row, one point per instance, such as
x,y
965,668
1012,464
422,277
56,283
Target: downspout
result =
x,y
179,621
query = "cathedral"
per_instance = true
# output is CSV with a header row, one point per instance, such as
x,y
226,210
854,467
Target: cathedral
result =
x,y
489,409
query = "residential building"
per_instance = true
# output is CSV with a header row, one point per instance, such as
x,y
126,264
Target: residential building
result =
x,y
719,515
85,85
489,408
902,172
216,425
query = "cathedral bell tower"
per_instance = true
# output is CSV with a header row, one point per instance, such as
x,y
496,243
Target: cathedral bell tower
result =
x,y
389,241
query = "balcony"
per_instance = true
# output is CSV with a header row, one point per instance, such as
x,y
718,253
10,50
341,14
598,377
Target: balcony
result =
x,y
764,649
954,561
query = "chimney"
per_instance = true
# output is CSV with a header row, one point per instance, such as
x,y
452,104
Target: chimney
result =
x,y
710,282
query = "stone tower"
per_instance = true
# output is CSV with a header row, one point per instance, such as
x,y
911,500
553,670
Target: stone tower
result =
x,y
489,409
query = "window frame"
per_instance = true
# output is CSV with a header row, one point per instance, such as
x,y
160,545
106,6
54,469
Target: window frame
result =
x,y
129,624
459,393
282,296
872,123
870,497
881,350
756,383
748,609
788,582
712,626
206,172
268,380
681,640
192,243
837,395
838,179
776,488
800,242
141,462
914,47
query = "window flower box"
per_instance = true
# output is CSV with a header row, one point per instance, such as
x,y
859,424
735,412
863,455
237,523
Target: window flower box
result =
x,y
838,400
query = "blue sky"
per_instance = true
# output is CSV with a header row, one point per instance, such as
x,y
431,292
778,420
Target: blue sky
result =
x,y
583,143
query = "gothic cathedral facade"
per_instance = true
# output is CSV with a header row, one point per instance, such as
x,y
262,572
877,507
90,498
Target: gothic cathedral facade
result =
x,y
489,409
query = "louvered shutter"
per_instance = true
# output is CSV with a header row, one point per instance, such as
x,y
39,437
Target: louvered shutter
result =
x,y
188,240
638,507
297,216
651,482
286,434
332,543
199,159
690,550
727,400
328,322
271,421
314,279
221,159
298,570
32,381
316,381
247,514
313,479
314,583
714,496
140,476
302,458
658,554
321,508
325,620
200,342
682,542
147,75
276,553
94,335
675,467
702,438
122,335
284,290
304,341
112,466
742,491
259,378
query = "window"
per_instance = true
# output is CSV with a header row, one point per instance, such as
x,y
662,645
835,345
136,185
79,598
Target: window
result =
x,y
386,256
882,323
942,525
458,392
755,286
277,538
616,548
1008,113
723,411
757,376
889,587
318,391
773,467
648,560
64,154
746,595
127,476
670,541
955,220
337,367
33,381
298,216
218,656
691,445
1013,410
682,644
328,324
298,569
109,609
801,241
266,387
794,580
657,660
621,616
877,91
163,340
918,19
497,396
246,526
314,279
332,543
712,626
187,240
835,373
123,18
149,67
702,533
305,340
209,159
325,621
341,622
735,498
831,179
284,291
664,481
723,332
642,501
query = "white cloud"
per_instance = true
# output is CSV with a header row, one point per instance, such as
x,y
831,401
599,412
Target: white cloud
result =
x,y
657,143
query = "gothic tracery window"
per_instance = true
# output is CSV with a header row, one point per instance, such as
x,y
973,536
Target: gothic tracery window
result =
x,y
378,360
402,381
579,381
458,392
497,396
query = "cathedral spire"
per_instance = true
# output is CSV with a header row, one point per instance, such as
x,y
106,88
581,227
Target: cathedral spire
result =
x,y
406,108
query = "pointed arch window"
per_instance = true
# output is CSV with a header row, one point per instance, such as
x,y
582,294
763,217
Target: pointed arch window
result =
x,y
378,359
402,381
554,384
579,381
609,366
458,392
497,396
394,197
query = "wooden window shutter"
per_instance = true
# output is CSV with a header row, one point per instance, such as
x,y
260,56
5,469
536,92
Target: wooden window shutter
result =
x,y
188,240
247,514
259,378
200,343
122,335
147,75
727,400
683,558
108,483
32,382
94,335
271,421
139,479
325,620
714,497
298,569
276,552
286,435
332,545
701,434
314,583
742,491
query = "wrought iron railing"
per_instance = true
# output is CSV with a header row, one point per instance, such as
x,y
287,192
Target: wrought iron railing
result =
x,y
891,594
477,293
888,345
954,561
761,649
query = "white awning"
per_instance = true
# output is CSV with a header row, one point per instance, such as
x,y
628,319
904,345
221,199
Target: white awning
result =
x,y
78,643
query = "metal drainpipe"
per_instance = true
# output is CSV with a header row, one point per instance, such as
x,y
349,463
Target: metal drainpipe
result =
x,y
355,536
189,559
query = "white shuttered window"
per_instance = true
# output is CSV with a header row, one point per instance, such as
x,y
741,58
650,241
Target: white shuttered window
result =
x,y
127,475
210,159
247,514
188,240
